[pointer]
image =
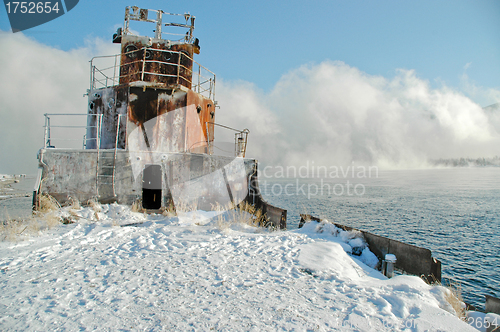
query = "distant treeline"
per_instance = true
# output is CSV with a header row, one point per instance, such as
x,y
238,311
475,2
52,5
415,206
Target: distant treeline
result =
x,y
467,162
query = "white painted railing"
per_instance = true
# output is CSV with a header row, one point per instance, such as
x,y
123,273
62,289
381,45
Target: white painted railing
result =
x,y
106,71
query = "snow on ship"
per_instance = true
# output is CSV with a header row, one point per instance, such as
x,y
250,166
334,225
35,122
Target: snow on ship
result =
x,y
149,132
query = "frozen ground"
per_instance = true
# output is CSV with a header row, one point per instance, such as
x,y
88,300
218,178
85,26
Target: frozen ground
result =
x,y
203,272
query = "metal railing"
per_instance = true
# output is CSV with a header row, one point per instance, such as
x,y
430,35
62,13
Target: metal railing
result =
x,y
62,139
134,13
240,140
107,71
49,143
65,140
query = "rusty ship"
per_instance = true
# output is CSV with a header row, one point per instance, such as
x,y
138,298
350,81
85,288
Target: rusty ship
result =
x,y
148,133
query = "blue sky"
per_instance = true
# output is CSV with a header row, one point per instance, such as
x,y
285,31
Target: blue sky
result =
x,y
259,41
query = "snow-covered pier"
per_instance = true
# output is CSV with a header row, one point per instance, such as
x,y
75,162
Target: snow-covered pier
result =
x,y
410,259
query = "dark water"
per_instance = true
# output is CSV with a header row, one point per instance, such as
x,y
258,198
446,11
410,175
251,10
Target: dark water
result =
x,y
453,212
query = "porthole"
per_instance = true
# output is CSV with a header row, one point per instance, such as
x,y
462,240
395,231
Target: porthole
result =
x,y
130,51
149,54
167,56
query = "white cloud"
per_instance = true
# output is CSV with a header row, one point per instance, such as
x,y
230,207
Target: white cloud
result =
x,y
37,79
334,114
485,96
244,106
329,113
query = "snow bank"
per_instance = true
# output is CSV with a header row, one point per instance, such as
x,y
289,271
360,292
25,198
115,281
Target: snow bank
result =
x,y
189,273
352,242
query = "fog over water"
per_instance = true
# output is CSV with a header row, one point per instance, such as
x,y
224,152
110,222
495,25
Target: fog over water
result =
x,y
329,112
334,114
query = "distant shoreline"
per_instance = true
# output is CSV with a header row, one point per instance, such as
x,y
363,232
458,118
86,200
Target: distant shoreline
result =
x,y
467,162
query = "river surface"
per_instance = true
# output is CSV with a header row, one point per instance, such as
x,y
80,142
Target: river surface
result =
x,y
454,212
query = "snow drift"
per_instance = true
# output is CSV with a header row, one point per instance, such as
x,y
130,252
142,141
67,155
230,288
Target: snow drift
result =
x,y
188,273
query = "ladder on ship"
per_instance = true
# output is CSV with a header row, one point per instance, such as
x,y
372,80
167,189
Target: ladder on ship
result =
x,y
106,167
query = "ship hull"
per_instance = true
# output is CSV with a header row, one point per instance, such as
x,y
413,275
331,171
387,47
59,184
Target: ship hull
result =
x,y
157,181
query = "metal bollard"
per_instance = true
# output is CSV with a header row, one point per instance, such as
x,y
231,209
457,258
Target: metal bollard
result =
x,y
390,260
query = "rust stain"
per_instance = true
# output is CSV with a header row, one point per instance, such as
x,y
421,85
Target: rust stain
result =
x,y
143,105
206,113
159,58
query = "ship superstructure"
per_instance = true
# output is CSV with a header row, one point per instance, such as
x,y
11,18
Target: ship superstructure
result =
x,y
149,131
